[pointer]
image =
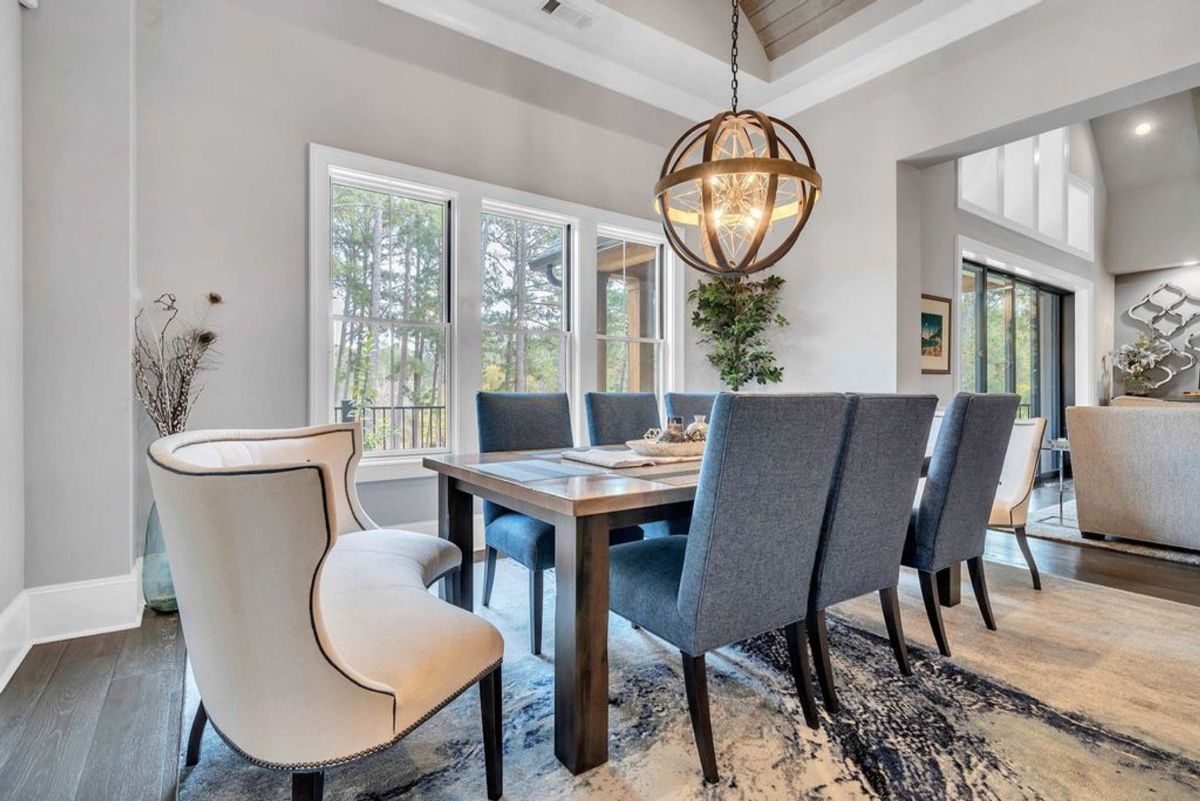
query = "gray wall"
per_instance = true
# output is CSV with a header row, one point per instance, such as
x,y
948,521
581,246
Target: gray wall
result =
x,y
853,305
1130,289
1154,226
12,471
78,146
223,169
941,222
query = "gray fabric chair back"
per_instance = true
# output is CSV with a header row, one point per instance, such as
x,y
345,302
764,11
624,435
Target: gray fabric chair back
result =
x,y
862,538
764,484
521,421
614,418
689,404
963,475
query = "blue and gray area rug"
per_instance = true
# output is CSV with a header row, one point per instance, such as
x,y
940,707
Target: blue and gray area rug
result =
x,y
1015,730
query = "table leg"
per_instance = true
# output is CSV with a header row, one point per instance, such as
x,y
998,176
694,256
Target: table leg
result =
x,y
581,642
456,512
1061,463
949,583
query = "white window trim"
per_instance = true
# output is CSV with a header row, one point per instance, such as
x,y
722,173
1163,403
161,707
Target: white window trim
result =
x,y
1033,233
468,200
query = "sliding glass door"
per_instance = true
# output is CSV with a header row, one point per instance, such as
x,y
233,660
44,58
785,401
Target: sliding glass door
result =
x,y
1012,341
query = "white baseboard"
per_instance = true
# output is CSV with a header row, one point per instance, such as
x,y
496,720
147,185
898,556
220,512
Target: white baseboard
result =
x,y
64,611
14,636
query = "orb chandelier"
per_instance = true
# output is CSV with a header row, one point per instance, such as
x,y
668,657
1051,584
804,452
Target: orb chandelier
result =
x,y
736,191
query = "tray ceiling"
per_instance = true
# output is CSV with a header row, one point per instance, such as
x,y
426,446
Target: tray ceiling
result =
x,y
674,54
784,25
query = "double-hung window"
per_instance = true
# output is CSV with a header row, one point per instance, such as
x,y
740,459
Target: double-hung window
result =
x,y
629,318
389,358
526,287
427,287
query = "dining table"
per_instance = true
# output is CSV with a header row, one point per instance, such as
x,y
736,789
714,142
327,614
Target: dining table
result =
x,y
583,502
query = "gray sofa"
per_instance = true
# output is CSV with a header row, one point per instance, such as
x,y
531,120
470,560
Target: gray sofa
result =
x,y
1137,471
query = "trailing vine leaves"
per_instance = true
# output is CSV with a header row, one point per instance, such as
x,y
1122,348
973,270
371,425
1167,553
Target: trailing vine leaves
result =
x,y
733,315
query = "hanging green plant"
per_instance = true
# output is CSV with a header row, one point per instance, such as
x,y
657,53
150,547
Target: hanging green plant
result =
x,y
733,315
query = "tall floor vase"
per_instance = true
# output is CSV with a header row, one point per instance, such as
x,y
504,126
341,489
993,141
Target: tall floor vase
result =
x,y
157,585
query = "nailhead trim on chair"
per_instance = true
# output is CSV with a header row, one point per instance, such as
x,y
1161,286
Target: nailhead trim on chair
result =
x,y
304,767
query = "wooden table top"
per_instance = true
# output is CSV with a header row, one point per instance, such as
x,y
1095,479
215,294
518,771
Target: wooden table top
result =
x,y
545,479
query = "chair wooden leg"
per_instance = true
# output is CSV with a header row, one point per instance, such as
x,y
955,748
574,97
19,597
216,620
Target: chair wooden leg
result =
x,y
979,584
933,607
489,575
493,732
799,657
695,679
196,736
535,611
889,599
818,641
1023,544
308,786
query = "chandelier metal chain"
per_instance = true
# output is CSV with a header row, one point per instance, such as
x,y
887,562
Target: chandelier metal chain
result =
x,y
733,56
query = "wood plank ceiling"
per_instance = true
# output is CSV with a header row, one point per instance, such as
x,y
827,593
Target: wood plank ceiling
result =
x,y
782,25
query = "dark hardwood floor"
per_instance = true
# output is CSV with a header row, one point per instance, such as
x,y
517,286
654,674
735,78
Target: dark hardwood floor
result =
x,y
98,718
1156,577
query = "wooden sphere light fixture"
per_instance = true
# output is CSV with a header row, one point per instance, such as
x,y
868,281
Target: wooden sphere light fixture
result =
x,y
741,185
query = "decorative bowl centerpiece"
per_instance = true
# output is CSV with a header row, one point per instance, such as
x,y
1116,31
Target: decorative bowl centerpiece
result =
x,y
650,447
673,441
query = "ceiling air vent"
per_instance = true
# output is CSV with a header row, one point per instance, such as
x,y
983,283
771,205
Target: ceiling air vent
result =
x,y
565,13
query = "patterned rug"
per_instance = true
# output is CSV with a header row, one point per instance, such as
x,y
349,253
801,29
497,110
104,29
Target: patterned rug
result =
x,y
1045,524
1050,707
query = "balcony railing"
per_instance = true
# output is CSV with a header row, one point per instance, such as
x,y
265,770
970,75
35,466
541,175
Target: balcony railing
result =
x,y
397,428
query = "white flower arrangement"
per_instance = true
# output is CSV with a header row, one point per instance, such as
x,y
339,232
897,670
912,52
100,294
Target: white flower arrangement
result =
x,y
1136,359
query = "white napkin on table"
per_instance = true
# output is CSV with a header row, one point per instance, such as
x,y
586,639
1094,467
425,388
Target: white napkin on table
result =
x,y
612,459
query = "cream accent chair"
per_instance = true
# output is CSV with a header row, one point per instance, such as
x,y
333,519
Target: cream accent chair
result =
x,y
1010,510
312,635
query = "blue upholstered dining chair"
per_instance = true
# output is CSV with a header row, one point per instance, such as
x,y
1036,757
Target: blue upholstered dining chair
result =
x,y
614,418
689,404
747,564
948,525
523,421
862,538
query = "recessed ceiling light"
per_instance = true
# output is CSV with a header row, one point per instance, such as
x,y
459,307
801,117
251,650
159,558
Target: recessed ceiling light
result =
x,y
1143,128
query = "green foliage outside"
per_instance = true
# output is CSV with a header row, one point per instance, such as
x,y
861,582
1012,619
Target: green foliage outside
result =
x,y
1012,319
734,316
523,308
389,343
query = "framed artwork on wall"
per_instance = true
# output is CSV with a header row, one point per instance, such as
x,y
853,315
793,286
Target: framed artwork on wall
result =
x,y
935,335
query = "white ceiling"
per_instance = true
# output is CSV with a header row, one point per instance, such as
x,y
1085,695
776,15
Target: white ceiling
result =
x,y
1170,151
673,54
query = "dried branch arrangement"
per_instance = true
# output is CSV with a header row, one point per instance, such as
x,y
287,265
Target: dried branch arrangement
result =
x,y
167,362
